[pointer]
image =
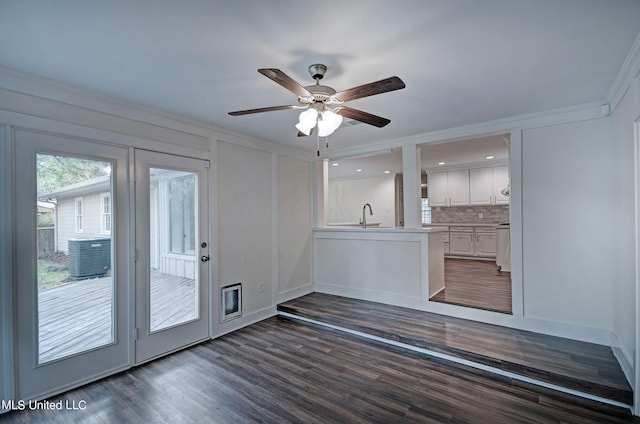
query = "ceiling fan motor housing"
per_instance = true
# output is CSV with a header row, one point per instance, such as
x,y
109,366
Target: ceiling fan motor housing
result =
x,y
321,93
317,71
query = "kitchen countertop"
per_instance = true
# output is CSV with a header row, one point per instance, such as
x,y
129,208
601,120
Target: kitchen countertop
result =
x,y
463,224
430,229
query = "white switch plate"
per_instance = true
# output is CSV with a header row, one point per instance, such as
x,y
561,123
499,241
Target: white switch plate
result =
x,y
480,215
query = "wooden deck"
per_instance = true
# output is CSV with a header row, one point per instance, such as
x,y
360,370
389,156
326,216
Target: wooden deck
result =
x,y
580,366
78,316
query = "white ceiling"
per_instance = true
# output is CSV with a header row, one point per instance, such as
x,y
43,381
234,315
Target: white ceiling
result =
x,y
463,61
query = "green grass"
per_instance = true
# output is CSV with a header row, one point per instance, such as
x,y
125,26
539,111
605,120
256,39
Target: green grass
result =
x,y
51,274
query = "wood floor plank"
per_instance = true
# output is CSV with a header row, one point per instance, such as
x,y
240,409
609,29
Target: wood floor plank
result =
x,y
282,371
475,284
581,366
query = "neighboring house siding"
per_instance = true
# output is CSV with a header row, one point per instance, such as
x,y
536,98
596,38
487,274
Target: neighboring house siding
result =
x,y
91,220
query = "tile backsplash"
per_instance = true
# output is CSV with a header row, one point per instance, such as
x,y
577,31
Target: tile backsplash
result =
x,y
462,214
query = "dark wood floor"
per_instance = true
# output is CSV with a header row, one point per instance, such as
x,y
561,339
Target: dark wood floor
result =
x,y
475,284
282,371
580,366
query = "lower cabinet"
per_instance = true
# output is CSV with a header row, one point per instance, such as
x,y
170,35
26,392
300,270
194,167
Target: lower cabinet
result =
x,y
471,241
461,241
486,243
446,242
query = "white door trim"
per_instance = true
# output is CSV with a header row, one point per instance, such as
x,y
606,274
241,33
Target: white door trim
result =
x,y
42,380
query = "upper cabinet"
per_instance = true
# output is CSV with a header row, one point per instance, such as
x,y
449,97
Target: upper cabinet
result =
x,y
482,186
449,188
481,190
500,182
486,185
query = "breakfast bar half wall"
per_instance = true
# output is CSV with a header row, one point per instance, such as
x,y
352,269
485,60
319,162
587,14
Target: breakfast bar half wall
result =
x,y
404,267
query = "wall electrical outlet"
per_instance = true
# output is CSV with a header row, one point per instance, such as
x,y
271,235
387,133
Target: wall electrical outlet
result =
x,y
261,286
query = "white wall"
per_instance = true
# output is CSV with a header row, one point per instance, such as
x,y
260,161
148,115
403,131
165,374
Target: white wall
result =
x,y
264,225
244,218
348,196
624,231
379,266
567,211
294,227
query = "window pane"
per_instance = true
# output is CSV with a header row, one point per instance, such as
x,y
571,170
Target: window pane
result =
x,y
172,236
75,286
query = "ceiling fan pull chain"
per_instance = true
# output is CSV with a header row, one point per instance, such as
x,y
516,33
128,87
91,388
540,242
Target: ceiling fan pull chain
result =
x,y
326,139
318,142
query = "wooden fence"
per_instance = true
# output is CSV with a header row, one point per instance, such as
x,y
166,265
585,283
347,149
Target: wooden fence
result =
x,y
46,242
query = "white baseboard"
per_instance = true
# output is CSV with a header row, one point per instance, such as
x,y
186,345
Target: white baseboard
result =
x,y
624,358
287,295
244,321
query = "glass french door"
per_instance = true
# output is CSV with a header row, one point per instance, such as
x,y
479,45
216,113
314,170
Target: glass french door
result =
x,y
172,253
72,262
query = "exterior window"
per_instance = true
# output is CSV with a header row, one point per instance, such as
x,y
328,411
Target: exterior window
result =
x,y
182,224
79,211
426,211
105,209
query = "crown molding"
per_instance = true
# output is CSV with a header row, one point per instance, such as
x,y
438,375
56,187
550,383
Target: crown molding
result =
x,y
558,116
63,93
624,80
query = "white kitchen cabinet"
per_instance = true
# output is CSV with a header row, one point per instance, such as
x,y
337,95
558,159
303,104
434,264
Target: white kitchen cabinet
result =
x,y
445,243
473,241
481,186
503,248
486,185
437,189
461,241
449,188
458,186
500,182
485,242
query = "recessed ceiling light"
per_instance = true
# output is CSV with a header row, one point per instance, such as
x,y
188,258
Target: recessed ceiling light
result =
x,y
490,157
441,163
358,170
335,164
387,172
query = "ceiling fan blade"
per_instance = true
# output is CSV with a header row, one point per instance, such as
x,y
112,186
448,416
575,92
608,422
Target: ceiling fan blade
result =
x,y
262,109
286,81
358,115
378,87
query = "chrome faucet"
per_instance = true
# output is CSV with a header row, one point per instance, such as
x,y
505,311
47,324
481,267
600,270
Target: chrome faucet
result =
x,y
364,216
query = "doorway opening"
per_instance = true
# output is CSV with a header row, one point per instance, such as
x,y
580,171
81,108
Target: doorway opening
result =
x,y
465,189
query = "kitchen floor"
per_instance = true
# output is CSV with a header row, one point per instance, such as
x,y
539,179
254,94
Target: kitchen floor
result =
x,y
475,284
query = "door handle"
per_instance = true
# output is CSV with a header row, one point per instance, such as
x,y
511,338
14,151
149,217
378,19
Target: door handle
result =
x,y
204,258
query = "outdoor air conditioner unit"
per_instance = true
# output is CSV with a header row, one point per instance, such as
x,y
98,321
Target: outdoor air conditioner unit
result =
x,y
89,257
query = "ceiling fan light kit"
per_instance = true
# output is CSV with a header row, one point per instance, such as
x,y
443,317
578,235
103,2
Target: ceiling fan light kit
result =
x,y
323,106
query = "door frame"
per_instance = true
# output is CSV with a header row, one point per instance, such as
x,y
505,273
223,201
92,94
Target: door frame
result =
x,y
36,380
150,345
7,238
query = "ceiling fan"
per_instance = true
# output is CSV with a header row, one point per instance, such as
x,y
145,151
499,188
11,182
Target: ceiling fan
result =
x,y
322,106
